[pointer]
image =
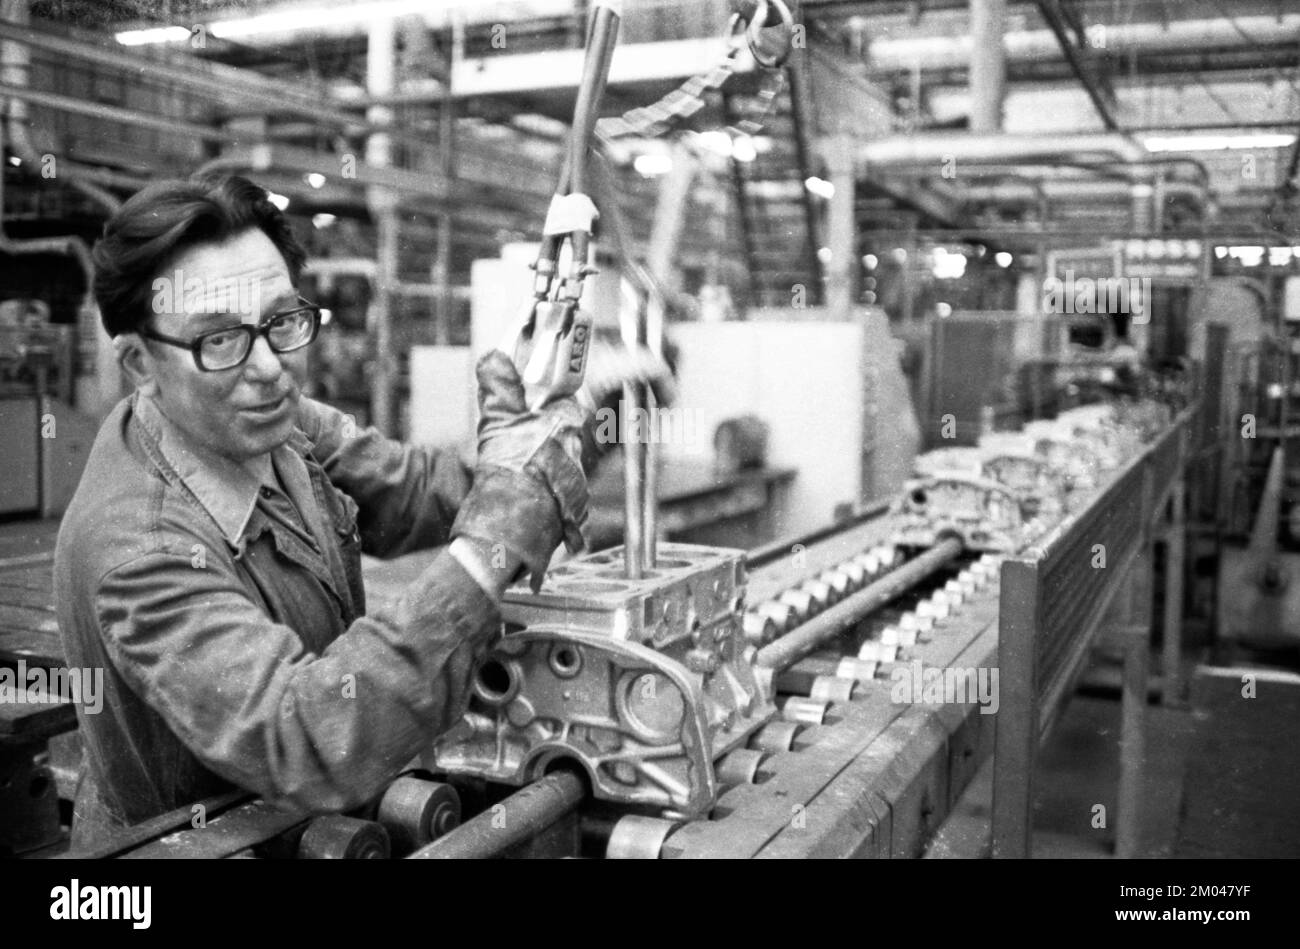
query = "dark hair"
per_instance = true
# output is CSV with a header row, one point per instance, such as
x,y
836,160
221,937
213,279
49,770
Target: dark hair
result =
x,y
168,217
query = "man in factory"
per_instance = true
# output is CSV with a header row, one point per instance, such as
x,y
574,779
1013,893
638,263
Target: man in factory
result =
x,y
210,561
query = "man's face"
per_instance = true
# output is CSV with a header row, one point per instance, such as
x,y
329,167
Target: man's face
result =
x,y
244,412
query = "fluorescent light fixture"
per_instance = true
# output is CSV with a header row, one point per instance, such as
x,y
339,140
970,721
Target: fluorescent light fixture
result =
x,y
154,34
742,149
652,164
292,19
279,21
1216,143
279,200
1250,255
315,179
820,187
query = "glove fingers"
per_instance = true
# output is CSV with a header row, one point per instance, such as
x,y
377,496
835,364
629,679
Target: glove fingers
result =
x,y
500,390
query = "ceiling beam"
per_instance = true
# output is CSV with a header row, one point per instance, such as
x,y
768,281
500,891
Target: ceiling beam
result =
x,y
1084,69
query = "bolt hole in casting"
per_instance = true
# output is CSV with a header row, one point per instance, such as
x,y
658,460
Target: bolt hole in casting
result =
x,y
497,682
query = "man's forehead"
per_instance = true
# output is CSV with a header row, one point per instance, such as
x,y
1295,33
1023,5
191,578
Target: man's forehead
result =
x,y
240,275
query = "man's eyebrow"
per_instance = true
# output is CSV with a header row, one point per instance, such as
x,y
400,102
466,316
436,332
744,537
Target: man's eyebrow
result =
x,y
278,303
203,316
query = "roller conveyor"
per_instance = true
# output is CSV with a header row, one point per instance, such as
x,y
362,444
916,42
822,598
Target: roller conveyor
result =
x,y
870,652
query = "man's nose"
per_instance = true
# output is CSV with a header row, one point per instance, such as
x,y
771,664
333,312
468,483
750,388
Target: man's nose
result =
x,y
263,365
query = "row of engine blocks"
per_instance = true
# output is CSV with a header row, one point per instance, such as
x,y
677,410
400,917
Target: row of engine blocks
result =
x,y
1004,492
651,684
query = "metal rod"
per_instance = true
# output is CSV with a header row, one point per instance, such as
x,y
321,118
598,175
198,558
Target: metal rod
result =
x,y
745,218
650,485
801,116
442,266
1172,696
517,819
798,643
633,485
1094,85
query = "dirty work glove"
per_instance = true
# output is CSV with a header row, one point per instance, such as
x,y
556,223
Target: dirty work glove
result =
x,y
529,491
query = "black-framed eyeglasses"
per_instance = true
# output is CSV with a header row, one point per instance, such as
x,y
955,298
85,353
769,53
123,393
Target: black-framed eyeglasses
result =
x,y
228,347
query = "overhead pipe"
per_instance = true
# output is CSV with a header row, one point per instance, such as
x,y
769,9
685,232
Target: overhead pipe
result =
x,y
1012,189
112,113
1146,199
934,148
219,83
15,82
955,51
1125,172
1034,190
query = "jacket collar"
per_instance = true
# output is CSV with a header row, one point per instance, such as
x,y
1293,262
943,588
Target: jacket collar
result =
x,y
225,489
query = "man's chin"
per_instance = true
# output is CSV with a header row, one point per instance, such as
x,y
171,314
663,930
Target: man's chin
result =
x,y
268,436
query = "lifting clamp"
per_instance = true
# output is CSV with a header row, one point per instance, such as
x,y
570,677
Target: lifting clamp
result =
x,y
550,342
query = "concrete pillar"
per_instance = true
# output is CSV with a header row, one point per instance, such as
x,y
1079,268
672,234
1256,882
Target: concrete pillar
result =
x,y
841,292
381,59
988,65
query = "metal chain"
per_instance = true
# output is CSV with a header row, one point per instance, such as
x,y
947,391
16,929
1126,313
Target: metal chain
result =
x,y
660,118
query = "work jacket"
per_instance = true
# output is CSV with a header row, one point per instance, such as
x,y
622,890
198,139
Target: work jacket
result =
x,y
228,616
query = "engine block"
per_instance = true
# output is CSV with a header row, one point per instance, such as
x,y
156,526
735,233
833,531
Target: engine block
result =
x,y
643,682
986,515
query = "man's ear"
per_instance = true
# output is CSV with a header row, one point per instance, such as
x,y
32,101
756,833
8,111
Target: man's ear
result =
x,y
135,361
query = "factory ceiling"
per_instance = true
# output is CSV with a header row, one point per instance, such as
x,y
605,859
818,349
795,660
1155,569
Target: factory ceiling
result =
x,y
1200,98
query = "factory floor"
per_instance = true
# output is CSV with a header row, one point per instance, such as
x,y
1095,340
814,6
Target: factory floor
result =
x,y
1220,773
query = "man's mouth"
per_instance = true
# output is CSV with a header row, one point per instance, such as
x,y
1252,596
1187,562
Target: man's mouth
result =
x,y
266,410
